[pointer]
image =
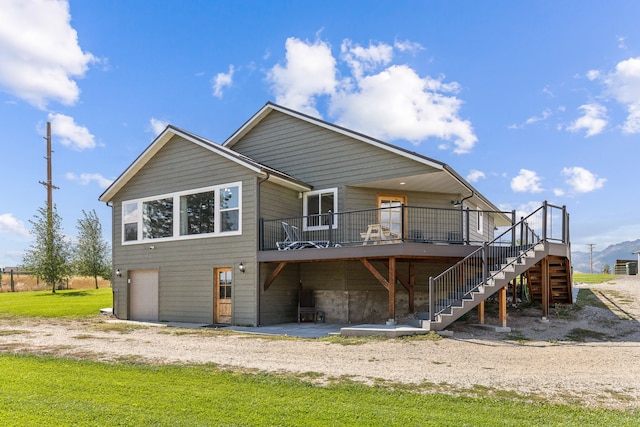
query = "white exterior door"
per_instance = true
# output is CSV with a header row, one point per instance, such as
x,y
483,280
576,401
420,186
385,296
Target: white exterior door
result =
x,y
143,295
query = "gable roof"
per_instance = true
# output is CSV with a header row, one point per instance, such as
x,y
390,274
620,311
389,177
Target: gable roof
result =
x,y
451,175
171,131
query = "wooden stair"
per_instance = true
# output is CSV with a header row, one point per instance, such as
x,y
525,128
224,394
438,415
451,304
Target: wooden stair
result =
x,y
559,281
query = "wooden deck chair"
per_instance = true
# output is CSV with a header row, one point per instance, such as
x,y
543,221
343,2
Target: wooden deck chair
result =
x,y
306,303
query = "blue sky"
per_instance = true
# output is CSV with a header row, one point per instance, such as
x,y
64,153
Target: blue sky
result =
x,y
530,100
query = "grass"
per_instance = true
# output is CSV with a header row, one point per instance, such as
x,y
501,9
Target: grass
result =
x,y
62,304
592,279
36,390
587,298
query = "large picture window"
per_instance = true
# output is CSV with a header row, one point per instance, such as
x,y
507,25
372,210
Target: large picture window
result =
x,y
157,218
199,213
317,205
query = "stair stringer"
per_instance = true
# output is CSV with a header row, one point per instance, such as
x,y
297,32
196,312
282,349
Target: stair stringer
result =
x,y
496,281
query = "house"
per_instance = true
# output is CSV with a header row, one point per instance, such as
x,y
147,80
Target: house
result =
x,y
231,233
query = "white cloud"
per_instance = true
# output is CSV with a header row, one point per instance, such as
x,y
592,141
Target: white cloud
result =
x,y
582,180
593,121
71,134
533,119
398,103
558,192
632,124
9,224
379,98
475,175
408,46
621,42
593,74
39,52
544,116
624,85
222,80
156,125
526,181
365,59
87,178
309,71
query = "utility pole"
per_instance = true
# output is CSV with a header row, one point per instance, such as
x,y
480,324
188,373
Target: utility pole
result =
x,y
49,183
591,245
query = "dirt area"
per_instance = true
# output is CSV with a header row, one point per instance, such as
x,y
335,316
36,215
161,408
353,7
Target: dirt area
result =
x,y
586,354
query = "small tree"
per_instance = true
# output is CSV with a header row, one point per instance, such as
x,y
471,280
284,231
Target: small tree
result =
x,y
606,269
48,258
92,256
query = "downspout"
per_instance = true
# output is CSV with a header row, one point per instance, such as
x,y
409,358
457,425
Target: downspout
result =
x,y
259,183
466,234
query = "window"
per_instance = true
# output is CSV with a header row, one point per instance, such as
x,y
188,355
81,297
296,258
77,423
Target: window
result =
x,y
480,222
157,218
317,205
229,209
199,213
130,218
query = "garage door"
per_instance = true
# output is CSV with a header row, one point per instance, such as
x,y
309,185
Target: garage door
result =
x,y
143,295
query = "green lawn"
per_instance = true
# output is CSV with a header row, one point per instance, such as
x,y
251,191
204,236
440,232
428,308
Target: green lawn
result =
x,y
49,391
70,303
592,278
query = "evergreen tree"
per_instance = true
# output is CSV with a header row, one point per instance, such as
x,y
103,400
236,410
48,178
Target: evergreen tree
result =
x,y
92,256
48,257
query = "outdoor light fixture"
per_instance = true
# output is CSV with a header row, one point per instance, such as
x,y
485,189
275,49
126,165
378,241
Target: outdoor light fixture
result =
x,y
118,272
456,203
241,267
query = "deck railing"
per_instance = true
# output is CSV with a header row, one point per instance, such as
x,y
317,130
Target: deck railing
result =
x,y
548,223
402,224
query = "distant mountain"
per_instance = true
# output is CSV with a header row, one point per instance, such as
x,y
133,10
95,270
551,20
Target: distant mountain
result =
x,y
609,255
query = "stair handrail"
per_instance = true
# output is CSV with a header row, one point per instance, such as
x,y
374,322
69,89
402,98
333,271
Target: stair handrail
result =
x,y
478,259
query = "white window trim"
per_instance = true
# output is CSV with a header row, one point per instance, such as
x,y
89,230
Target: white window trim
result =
x,y
305,210
176,215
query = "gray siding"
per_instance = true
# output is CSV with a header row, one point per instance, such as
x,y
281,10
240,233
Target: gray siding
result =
x,y
319,156
279,303
279,202
186,281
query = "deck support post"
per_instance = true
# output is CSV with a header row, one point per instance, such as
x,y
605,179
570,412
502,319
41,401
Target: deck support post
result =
x,y
392,288
481,312
545,288
412,286
503,306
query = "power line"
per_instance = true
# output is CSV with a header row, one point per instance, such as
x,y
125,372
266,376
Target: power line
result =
x,y
49,183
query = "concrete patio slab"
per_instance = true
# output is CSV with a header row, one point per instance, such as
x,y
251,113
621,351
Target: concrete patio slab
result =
x,y
303,330
390,331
